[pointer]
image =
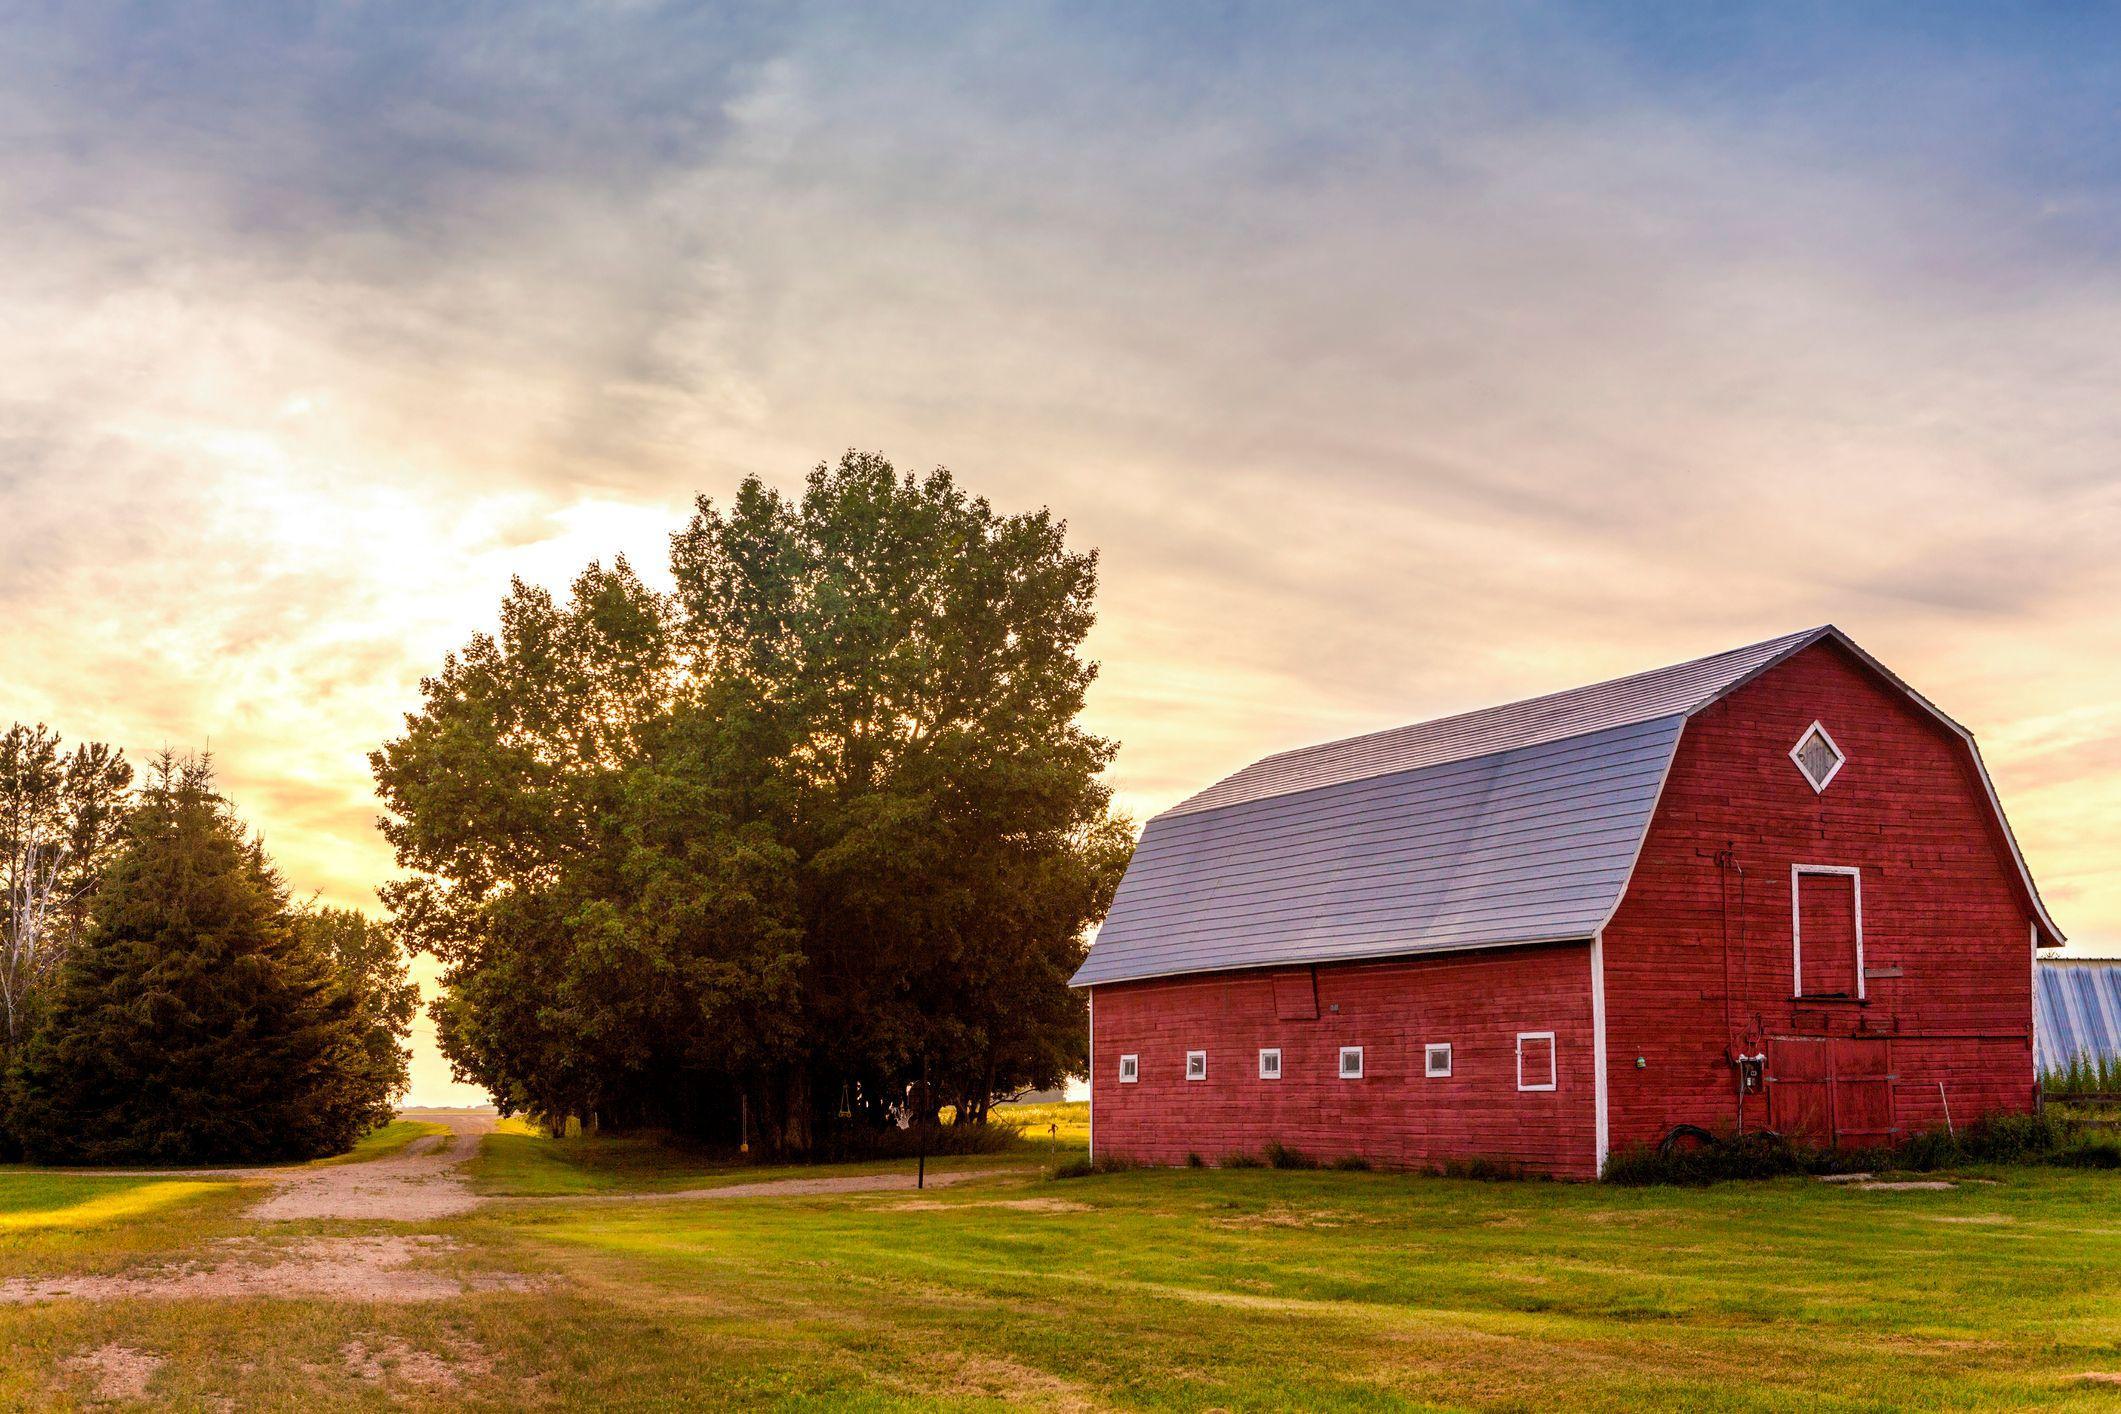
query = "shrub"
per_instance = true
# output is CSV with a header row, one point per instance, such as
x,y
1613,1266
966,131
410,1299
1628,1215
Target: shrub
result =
x,y
1195,1161
1994,1139
2089,1150
2009,1139
856,1143
1352,1163
1482,1169
1085,1167
1281,1156
1243,1161
1759,1154
1928,1150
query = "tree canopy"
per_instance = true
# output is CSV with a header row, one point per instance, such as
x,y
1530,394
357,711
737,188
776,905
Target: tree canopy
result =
x,y
60,813
774,840
197,1019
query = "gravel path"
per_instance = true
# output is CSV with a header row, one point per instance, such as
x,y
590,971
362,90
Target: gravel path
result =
x,y
390,1269
420,1184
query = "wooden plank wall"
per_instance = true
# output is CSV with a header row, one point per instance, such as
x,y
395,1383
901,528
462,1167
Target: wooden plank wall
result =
x,y
1946,927
1394,1116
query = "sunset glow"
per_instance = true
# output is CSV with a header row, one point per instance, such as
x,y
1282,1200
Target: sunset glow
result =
x,y
1391,374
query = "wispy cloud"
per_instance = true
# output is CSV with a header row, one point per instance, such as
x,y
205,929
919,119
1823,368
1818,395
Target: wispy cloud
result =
x,y
1398,360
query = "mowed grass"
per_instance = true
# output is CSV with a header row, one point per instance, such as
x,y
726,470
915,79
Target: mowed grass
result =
x,y
1250,1289
1264,1289
520,1161
64,1223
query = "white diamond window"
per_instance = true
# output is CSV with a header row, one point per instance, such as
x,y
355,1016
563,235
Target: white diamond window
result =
x,y
1818,757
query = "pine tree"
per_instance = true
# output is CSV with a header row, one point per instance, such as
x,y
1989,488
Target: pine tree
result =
x,y
196,1021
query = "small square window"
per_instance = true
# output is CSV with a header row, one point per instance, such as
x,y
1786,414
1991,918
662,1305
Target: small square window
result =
x,y
1130,1069
1196,1065
1817,757
1535,1060
1351,1062
1436,1060
1270,1064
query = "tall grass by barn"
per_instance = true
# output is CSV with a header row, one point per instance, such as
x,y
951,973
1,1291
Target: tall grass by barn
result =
x,y
2085,1077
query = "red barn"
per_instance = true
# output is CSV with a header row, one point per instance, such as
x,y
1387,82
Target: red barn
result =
x,y
1769,888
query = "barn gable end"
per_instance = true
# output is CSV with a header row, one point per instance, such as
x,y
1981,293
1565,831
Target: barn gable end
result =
x,y
1901,855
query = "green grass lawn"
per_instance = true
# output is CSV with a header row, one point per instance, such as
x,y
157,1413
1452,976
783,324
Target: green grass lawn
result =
x,y
1249,1289
393,1138
520,1162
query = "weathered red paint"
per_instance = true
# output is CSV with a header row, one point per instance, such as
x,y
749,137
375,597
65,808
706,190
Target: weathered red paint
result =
x,y
1947,928
1698,968
1395,1116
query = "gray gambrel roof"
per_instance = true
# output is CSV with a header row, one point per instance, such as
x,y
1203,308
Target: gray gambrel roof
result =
x,y
1517,824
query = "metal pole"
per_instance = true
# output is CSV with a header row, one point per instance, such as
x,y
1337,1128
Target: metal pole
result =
x,y
920,1177
1948,1127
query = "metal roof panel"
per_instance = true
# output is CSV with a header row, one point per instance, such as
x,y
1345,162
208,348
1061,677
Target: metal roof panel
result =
x,y
1640,697
1520,846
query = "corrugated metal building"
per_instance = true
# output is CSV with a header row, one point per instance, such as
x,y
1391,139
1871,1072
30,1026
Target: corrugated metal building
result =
x,y
2077,1010
1536,931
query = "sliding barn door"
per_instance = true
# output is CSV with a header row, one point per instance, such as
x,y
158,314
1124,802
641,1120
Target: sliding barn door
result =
x,y
1800,1084
1832,1090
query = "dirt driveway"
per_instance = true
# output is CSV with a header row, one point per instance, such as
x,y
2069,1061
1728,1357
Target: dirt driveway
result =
x,y
423,1183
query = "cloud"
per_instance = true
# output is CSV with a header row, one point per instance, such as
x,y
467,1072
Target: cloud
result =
x,y
1398,360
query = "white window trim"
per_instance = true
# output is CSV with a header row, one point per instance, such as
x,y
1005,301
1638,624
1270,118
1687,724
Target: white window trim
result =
x,y
1264,1072
1345,1052
1553,1059
1797,872
1130,1069
1841,758
1429,1053
1203,1058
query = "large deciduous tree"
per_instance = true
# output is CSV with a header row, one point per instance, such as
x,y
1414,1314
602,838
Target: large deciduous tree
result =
x,y
59,820
373,969
820,817
195,1021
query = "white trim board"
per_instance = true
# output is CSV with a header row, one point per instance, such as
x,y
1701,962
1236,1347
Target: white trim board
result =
x,y
1797,872
1090,1144
1602,1139
1841,758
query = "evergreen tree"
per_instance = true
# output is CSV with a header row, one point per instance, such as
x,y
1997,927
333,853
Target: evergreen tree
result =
x,y
195,1022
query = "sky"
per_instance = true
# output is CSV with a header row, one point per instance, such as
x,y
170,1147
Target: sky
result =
x,y
1398,360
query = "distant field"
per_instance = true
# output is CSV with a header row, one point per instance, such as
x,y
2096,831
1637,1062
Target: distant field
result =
x,y
1067,1124
1253,1289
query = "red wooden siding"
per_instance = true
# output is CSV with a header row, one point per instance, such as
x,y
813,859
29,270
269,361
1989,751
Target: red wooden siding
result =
x,y
1699,958
1395,1115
